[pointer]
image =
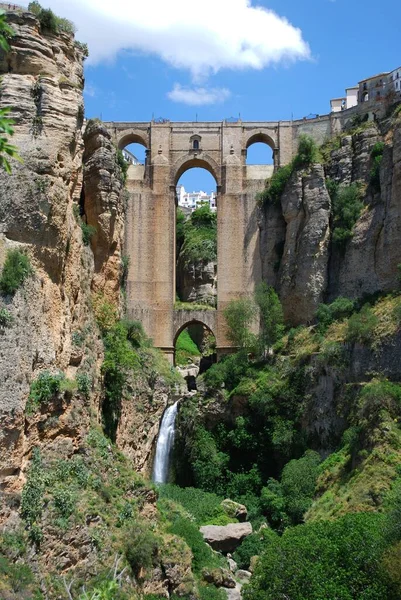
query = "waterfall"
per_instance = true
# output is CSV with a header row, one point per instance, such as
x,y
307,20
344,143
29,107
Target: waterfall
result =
x,y
164,445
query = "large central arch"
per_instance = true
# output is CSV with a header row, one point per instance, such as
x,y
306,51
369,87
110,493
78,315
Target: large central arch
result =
x,y
194,162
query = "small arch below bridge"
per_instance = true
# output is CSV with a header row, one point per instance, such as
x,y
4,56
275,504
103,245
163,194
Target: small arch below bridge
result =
x,y
198,327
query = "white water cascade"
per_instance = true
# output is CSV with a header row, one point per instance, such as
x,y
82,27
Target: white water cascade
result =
x,y
164,445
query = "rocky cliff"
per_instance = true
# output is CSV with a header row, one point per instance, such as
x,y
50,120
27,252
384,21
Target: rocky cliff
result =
x,y
298,254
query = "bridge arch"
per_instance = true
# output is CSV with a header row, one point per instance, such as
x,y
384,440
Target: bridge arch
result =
x,y
260,137
132,137
192,162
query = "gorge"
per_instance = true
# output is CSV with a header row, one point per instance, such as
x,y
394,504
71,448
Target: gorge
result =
x,y
278,470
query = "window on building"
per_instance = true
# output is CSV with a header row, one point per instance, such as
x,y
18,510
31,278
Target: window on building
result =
x,y
196,145
365,97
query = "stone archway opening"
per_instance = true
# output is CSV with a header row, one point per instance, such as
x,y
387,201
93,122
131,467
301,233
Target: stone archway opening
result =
x,y
196,239
134,152
260,150
194,351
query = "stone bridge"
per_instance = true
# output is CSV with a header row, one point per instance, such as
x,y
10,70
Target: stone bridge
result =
x,y
171,149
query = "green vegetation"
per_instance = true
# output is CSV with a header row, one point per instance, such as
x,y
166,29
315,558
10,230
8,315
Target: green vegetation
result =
x,y
347,208
16,269
307,154
45,388
88,231
122,164
286,502
361,326
377,157
204,507
198,235
185,349
333,559
49,21
326,314
141,548
6,318
239,316
7,150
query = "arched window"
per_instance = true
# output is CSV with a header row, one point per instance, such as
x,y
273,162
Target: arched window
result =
x,y
195,142
365,97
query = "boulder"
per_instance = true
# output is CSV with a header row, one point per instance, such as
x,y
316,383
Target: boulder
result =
x,y
225,538
234,594
243,576
219,577
232,564
235,510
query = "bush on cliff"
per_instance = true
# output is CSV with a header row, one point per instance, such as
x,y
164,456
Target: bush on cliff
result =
x,y
326,314
332,559
16,269
347,208
307,155
361,326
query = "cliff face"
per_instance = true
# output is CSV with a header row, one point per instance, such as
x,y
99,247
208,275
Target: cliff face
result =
x,y
298,254
42,211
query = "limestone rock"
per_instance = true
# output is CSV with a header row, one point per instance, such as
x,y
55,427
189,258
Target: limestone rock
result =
x,y
219,577
225,538
243,576
234,594
197,282
232,564
303,273
235,510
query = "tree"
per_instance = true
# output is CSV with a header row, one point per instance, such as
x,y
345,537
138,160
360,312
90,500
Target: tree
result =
x,y
6,129
271,315
239,315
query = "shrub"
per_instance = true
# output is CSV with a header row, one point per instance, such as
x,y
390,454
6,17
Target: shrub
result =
x,y
251,546
122,164
239,315
44,388
361,326
189,532
83,47
47,19
339,309
347,207
6,318
329,559
64,501
275,186
32,497
141,548
378,399
287,502
16,269
84,382
271,313
307,154
377,157
205,507
88,231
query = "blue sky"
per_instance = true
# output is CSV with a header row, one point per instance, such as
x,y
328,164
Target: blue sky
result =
x,y
151,57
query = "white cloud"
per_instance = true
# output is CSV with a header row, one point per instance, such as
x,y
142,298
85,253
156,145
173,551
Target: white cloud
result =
x,y
198,96
202,37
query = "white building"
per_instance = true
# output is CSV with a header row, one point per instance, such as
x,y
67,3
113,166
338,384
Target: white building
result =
x,y
192,200
130,158
395,79
347,101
